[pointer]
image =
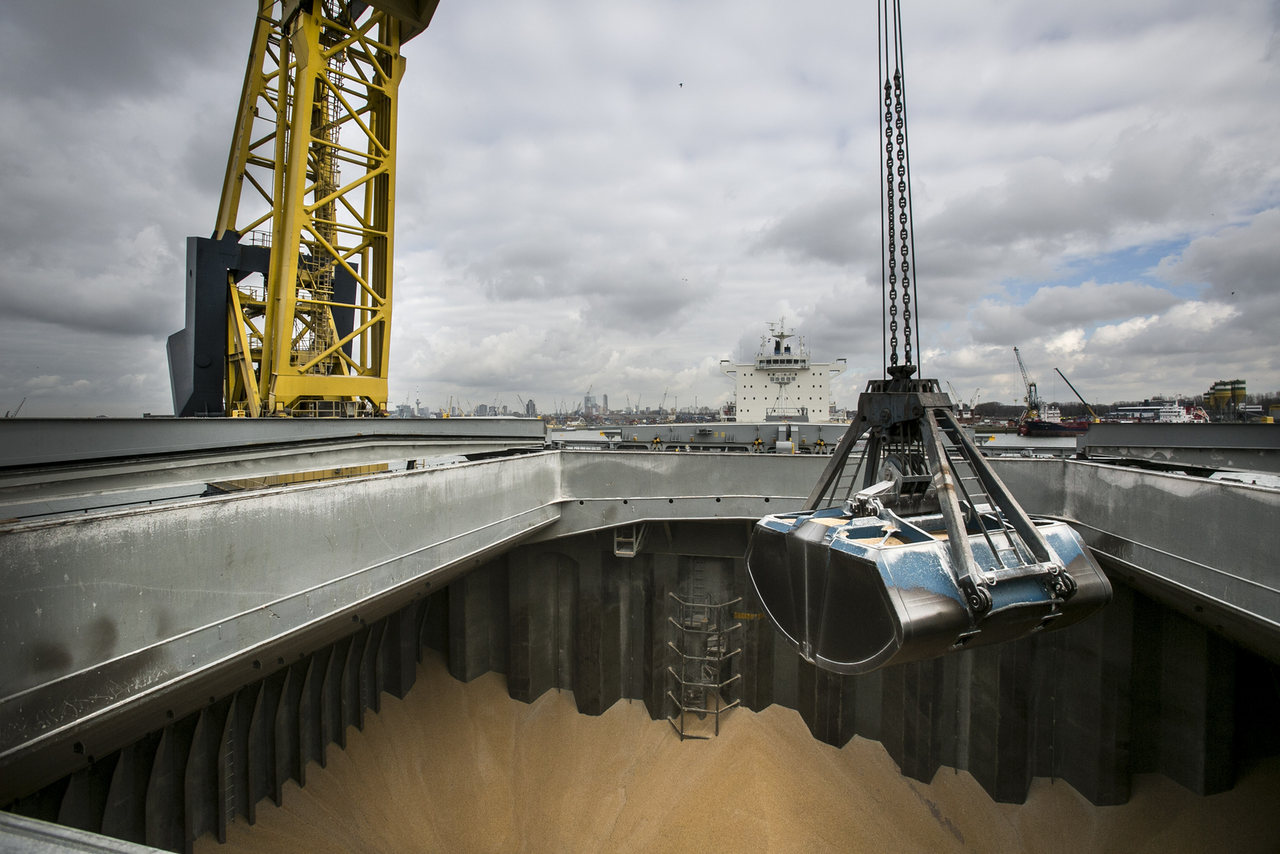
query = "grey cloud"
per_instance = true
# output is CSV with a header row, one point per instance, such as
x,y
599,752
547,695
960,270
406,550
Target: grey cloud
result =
x,y
841,228
536,267
1241,268
1096,18
134,295
83,51
557,187
108,160
643,298
638,294
94,373
845,322
1149,178
1060,307
1273,46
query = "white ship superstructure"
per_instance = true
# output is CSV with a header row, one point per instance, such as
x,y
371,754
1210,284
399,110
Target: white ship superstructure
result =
x,y
783,383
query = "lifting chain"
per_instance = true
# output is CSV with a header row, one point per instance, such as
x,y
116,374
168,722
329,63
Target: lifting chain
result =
x,y
897,185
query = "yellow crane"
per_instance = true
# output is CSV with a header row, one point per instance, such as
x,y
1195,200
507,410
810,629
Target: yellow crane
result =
x,y
1093,416
308,204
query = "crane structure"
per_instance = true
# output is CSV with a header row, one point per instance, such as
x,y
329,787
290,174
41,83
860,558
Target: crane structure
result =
x,y
1093,416
1033,395
308,204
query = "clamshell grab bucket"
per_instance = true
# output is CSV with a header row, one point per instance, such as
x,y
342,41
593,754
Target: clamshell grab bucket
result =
x,y
855,594
918,549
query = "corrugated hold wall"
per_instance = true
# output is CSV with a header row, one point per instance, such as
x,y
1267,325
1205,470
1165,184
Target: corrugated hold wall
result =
x,y
194,776
1136,688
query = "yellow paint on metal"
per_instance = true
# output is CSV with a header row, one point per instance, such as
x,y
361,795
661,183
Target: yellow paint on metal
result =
x,y
315,139
298,477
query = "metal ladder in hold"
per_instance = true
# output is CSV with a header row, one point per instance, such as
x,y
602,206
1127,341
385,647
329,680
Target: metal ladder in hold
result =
x,y
696,617
704,650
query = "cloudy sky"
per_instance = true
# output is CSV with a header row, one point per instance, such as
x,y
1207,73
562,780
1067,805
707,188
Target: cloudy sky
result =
x,y
1097,183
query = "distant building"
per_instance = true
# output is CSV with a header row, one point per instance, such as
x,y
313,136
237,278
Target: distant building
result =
x,y
530,410
782,384
482,410
589,405
1144,411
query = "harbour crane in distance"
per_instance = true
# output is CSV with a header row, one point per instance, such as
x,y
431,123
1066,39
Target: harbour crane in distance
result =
x,y
1093,416
956,396
307,204
1033,395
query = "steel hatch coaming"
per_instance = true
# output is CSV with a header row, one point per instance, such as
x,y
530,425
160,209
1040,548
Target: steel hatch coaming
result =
x,y
188,591
686,486
1203,547
405,529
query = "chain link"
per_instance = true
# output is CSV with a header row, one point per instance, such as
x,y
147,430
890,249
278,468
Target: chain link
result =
x,y
899,216
892,206
903,216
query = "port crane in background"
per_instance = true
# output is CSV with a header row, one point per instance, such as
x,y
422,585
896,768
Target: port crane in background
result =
x,y
972,400
1093,416
308,204
955,394
1033,395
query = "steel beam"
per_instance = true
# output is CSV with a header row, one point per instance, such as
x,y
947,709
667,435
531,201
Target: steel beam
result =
x,y
1203,547
51,465
21,835
1209,447
602,490
136,614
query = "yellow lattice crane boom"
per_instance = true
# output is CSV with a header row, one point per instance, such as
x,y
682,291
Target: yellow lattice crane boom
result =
x,y
308,204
